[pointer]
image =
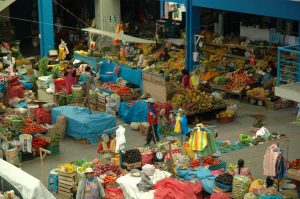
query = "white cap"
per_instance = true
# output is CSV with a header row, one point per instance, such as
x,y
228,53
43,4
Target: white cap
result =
x,y
150,100
89,170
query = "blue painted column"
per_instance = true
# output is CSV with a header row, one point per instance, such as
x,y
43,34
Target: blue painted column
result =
x,y
46,26
192,28
298,75
162,8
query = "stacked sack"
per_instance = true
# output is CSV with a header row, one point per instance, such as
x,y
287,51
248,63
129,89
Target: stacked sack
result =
x,y
241,185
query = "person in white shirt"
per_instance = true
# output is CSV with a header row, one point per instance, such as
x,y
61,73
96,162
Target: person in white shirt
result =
x,y
140,58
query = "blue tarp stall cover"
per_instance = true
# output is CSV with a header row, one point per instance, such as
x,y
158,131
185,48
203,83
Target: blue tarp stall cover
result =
x,y
84,124
138,112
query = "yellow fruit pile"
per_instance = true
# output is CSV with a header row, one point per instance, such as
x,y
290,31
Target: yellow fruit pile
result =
x,y
258,92
82,52
227,113
68,168
240,63
2,106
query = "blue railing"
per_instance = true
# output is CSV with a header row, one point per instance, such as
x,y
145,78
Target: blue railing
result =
x,y
288,66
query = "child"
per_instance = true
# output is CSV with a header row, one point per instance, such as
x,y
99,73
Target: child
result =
x,y
70,74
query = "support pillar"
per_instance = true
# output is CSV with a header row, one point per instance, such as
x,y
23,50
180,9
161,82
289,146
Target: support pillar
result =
x,y
192,28
221,24
298,73
46,26
162,9
288,27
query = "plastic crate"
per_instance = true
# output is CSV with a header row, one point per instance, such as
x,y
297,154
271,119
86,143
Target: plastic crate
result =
x,y
221,166
53,183
224,187
54,149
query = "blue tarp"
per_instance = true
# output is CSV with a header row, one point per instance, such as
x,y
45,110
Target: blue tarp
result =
x,y
134,113
203,175
83,124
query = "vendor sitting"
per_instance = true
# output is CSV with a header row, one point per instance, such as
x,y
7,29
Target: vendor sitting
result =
x,y
242,170
129,52
106,144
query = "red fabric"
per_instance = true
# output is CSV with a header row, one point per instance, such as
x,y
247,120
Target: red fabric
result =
x,y
16,91
38,143
43,117
153,117
60,85
168,107
219,195
170,188
113,193
186,81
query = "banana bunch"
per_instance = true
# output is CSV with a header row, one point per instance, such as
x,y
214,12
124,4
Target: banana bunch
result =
x,y
68,168
82,52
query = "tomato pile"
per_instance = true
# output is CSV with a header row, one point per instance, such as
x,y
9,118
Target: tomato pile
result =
x,y
33,128
121,90
109,179
206,161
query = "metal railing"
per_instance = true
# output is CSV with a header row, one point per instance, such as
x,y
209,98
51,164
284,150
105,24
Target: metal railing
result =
x,y
288,66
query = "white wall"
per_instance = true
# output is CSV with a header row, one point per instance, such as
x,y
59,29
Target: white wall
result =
x,y
4,12
104,9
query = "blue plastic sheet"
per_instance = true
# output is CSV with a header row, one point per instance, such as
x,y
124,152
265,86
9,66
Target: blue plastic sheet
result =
x,y
83,124
137,112
203,175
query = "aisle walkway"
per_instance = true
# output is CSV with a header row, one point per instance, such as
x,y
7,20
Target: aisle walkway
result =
x,y
279,121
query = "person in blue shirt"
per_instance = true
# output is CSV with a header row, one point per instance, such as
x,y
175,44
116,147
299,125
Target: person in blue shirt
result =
x,y
83,79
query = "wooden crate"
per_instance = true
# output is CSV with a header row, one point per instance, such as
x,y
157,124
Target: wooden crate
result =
x,y
273,105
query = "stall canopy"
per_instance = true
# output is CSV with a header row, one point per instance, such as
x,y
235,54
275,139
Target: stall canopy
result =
x,y
83,124
122,37
28,186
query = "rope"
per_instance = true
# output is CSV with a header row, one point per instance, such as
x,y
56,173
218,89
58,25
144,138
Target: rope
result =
x,y
38,22
71,13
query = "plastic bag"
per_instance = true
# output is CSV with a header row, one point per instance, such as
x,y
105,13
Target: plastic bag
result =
x,y
26,141
219,195
256,184
263,132
43,117
113,193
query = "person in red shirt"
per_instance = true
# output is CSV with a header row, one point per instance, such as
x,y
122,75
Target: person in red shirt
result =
x,y
153,121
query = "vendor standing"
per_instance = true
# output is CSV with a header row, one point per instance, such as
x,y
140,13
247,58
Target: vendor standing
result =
x,y
90,187
153,121
70,74
84,78
140,58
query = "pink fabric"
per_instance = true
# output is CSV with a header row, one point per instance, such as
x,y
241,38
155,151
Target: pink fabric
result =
x,y
170,188
244,172
219,195
270,161
70,81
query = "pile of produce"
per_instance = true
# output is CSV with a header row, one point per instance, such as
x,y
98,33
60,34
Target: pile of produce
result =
x,y
132,156
68,168
258,93
225,179
33,128
176,62
221,80
180,160
231,167
209,75
192,101
206,161
119,89
240,63
107,169
227,113
5,134
294,164
239,81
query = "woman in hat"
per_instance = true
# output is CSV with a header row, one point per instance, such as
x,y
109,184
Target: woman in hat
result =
x,y
90,187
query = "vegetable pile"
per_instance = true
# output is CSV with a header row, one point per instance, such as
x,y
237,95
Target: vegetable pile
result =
x,y
33,128
108,169
225,179
121,90
206,161
209,75
258,93
239,81
221,80
132,156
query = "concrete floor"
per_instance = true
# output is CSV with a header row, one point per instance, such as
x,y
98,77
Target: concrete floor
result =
x,y
277,121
